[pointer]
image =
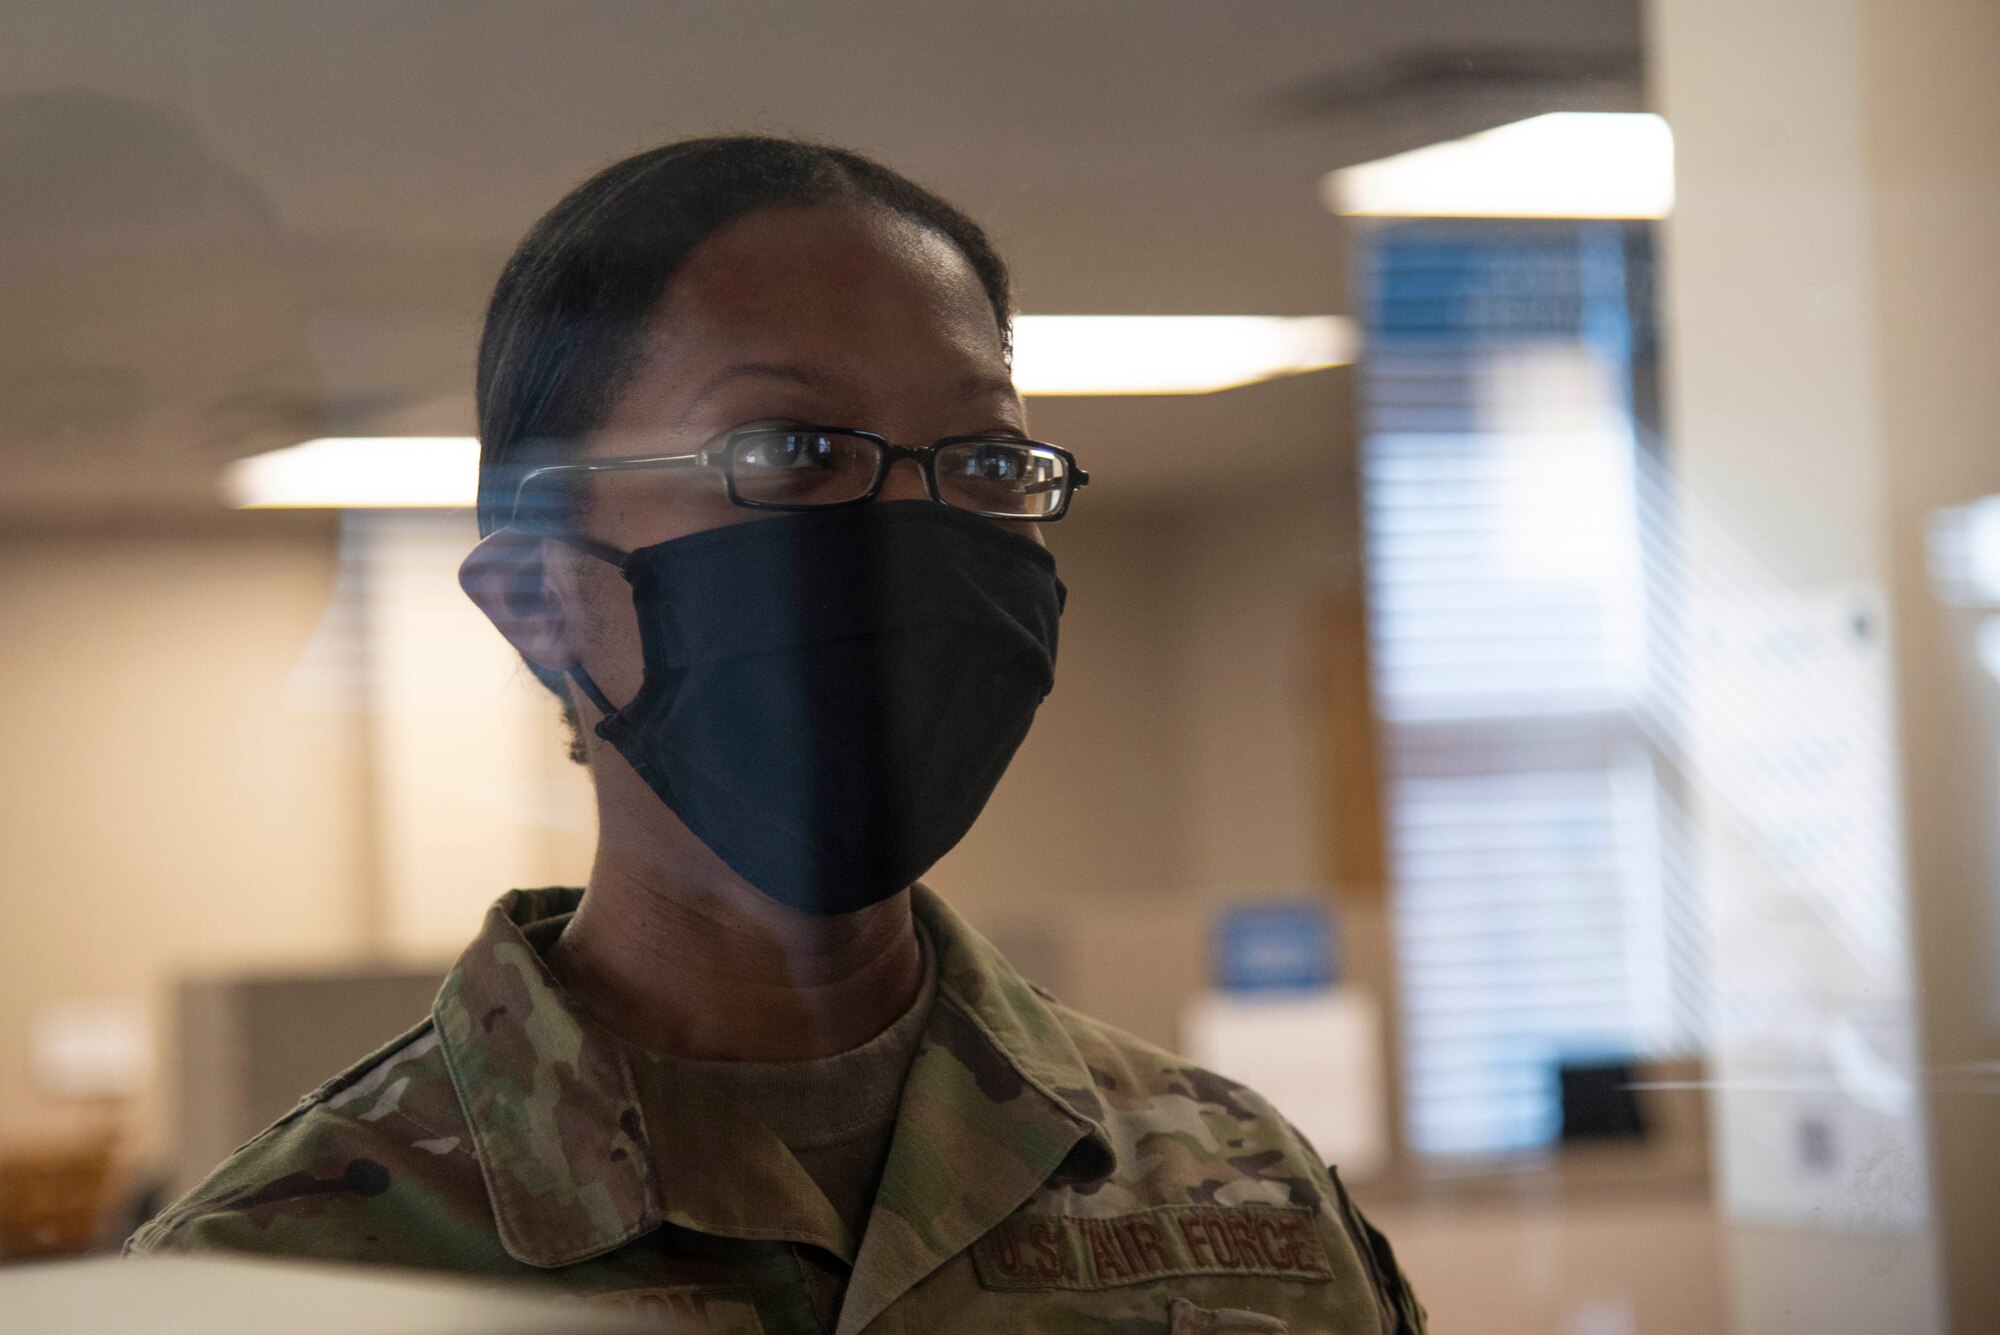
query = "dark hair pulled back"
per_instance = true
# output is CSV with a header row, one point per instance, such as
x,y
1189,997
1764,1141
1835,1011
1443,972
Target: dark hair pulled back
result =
x,y
567,318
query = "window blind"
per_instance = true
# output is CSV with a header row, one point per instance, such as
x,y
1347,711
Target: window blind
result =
x,y
1508,620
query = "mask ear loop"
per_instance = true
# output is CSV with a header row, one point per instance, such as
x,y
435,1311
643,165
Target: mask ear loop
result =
x,y
575,671
596,697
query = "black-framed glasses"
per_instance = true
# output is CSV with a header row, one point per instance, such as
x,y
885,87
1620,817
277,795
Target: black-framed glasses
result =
x,y
819,468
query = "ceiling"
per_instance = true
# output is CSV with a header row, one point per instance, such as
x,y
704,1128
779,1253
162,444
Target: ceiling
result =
x,y
228,225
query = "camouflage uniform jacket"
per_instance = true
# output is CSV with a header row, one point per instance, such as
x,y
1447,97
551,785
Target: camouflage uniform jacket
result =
x,y
1046,1173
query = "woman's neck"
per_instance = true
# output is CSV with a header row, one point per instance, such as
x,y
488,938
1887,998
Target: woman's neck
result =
x,y
679,956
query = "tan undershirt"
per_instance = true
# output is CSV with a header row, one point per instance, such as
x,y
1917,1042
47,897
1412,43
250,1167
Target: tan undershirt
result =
x,y
835,1114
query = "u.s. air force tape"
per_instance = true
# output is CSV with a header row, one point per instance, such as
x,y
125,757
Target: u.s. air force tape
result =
x,y
1066,1252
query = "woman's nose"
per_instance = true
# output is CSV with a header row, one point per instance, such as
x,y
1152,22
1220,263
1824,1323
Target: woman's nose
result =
x,y
904,483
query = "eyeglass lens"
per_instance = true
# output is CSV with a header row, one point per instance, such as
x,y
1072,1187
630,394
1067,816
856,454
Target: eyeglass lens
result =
x,y
811,468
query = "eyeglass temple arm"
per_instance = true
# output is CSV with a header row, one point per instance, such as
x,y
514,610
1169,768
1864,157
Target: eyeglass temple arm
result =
x,y
615,465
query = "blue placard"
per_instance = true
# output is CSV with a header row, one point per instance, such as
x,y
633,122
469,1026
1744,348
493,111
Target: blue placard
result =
x,y
1275,948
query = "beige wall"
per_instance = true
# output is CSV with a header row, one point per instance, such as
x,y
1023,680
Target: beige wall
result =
x,y
1933,142
164,806
1251,589
1605,1265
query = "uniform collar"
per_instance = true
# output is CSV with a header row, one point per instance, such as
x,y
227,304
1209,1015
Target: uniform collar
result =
x,y
547,1094
1017,1022
998,1101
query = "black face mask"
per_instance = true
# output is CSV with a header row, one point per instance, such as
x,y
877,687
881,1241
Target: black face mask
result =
x,y
830,697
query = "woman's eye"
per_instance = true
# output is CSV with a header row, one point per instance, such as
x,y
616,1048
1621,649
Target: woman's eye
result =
x,y
995,462
789,450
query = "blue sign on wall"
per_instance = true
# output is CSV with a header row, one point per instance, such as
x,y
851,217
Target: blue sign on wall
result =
x,y
1275,948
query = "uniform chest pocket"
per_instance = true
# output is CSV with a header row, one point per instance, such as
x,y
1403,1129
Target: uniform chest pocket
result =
x,y
684,1309
1184,1318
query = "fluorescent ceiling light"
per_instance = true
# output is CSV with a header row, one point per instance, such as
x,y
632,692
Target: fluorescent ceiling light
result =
x,y
1053,354
358,472
1172,354
1567,164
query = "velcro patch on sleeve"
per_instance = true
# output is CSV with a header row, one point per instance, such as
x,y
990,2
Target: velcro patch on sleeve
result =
x,y
1069,1252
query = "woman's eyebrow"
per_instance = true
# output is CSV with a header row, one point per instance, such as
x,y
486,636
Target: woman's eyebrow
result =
x,y
802,377
977,385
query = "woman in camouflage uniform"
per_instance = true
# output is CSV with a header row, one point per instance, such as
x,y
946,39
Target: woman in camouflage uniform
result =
x,y
754,1076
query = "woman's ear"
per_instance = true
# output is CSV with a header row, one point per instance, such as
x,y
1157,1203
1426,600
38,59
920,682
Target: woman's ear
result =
x,y
508,575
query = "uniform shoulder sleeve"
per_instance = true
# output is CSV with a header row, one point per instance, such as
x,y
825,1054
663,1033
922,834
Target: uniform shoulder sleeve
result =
x,y
1399,1300
374,1166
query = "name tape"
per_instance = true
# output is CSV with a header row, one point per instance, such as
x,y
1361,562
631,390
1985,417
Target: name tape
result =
x,y
1067,1252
